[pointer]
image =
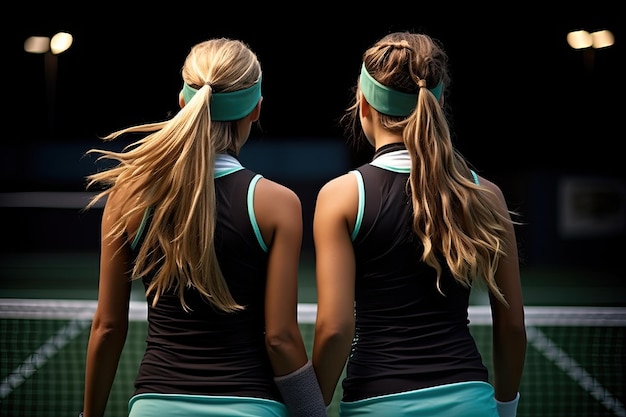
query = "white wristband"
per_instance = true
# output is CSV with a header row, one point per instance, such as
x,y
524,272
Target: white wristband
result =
x,y
508,408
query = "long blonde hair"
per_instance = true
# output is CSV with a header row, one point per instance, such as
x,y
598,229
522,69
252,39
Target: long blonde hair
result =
x,y
171,171
453,217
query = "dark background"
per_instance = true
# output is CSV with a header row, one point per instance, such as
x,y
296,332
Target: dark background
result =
x,y
521,97
527,110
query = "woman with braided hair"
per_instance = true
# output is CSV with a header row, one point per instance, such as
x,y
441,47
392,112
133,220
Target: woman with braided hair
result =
x,y
217,247
400,242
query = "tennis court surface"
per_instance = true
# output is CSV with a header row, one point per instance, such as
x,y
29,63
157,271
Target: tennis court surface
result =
x,y
575,364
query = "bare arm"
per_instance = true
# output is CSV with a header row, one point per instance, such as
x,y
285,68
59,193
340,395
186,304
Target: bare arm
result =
x,y
509,332
279,214
110,323
335,213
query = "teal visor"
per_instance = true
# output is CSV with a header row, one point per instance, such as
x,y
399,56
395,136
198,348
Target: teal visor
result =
x,y
387,100
232,105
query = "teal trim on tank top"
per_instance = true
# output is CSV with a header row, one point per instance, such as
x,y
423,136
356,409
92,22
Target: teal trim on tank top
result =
x,y
475,177
392,161
255,225
361,206
224,164
142,226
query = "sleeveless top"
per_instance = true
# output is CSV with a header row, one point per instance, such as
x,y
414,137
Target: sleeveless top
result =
x,y
408,336
206,351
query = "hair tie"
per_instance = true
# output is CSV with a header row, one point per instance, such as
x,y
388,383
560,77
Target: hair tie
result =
x,y
436,90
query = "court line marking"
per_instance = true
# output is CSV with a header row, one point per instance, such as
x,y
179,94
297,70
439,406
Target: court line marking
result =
x,y
570,367
41,356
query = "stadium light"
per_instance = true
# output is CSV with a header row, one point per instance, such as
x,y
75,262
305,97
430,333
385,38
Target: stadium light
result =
x,y
588,43
50,48
59,43
581,39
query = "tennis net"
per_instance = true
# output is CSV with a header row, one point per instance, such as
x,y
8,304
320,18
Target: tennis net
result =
x,y
575,364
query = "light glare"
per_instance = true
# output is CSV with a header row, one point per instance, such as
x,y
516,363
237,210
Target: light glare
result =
x,y
37,44
61,42
602,39
579,39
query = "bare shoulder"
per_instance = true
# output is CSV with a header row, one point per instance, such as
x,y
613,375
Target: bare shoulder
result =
x,y
121,196
337,203
116,201
276,207
338,187
495,190
119,204
273,194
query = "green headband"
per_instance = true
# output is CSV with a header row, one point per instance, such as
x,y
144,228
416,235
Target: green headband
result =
x,y
387,100
232,105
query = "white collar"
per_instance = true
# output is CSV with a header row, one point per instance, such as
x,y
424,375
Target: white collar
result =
x,y
225,164
396,161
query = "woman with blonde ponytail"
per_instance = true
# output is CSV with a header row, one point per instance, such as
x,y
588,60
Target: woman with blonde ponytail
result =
x,y
217,247
400,242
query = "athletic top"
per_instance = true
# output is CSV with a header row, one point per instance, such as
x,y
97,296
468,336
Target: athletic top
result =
x,y
206,351
408,336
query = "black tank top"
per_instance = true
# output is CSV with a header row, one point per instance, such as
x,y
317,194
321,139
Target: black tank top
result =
x,y
408,335
206,351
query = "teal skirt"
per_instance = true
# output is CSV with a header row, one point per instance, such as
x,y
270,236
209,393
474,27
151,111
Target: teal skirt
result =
x,y
175,405
464,399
